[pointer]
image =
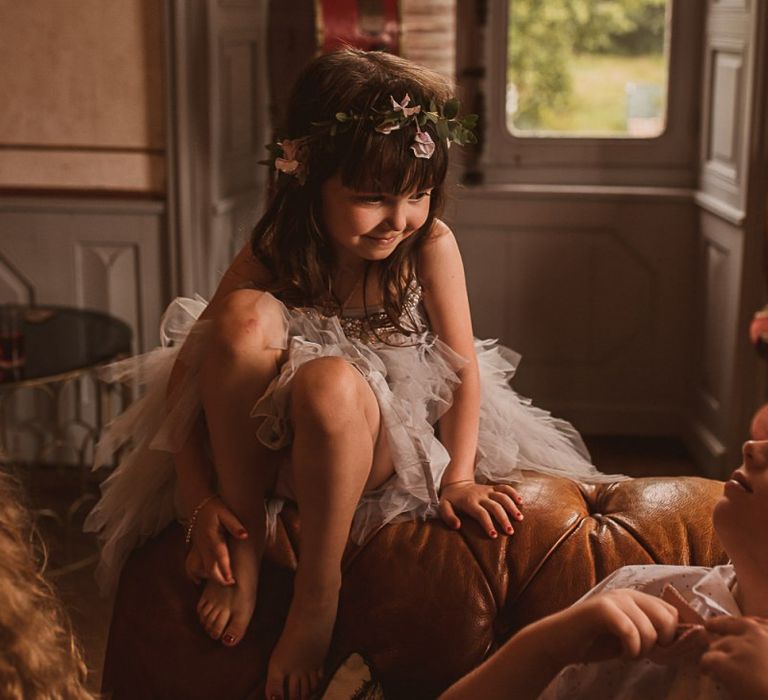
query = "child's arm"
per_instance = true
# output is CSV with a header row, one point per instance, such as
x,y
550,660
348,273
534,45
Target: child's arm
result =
x,y
441,274
209,555
617,623
738,655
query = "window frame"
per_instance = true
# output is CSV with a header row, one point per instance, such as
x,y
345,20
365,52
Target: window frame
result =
x,y
667,160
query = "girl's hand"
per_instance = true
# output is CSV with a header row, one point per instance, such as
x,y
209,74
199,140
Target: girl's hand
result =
x,y
208,557
623,623
738,655
481,502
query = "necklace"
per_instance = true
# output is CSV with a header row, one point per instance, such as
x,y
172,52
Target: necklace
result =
x,y
343,302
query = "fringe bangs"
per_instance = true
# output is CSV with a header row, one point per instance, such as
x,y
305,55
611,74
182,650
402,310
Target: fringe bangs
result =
x,y
385,163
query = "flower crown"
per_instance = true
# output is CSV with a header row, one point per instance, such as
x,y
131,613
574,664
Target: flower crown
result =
x,y
289,156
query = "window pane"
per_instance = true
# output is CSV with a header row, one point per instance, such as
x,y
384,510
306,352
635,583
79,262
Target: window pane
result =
x,y
587,67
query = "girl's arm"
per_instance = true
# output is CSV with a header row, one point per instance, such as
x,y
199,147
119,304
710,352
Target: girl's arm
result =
x,y
624,623
441,273
195,478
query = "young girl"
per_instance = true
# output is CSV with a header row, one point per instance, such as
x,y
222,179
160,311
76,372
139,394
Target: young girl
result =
x,y
723,652
333,346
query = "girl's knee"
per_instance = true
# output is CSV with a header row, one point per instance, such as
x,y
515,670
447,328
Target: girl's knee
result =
x,y
327,389
246,320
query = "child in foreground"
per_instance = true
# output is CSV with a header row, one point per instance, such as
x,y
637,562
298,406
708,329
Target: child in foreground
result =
x,y
39,658
622,640
335,343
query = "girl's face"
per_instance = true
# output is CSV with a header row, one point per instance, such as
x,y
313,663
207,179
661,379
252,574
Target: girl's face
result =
x,y
369,225
741,515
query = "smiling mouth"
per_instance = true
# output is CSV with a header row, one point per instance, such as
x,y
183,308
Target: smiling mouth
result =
x,y
741,480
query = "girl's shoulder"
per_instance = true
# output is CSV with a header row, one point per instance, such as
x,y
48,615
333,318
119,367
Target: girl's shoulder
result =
x,y
439,258
247,270
438,244
438,239
439,230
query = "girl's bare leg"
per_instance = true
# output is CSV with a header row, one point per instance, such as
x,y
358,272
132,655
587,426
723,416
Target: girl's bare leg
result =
x,y
237,368
334,458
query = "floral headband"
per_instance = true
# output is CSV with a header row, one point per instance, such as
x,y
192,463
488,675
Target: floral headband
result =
x,y
289,156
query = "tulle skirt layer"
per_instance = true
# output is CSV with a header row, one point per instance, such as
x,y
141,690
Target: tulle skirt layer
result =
x,y
412,377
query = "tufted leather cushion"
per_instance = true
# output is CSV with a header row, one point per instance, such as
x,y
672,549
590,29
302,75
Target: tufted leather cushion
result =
x,y
425,604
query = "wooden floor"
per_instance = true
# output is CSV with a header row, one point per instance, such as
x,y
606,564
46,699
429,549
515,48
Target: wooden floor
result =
x,y
90,612
658,456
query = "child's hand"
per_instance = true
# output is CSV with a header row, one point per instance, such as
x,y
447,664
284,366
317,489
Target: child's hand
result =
x,y
208,557
617,623
481,501
738,655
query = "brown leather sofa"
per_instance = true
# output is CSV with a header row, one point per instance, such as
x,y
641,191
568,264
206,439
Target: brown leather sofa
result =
x,y
425,604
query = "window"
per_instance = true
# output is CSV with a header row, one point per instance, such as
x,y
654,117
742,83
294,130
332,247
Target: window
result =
x,y
587,68
656,141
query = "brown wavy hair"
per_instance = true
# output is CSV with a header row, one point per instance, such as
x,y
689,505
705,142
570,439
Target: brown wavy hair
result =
x,y
39,658
290,238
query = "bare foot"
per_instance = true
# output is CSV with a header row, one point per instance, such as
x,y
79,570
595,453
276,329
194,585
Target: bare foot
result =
x,y
225,611
296,665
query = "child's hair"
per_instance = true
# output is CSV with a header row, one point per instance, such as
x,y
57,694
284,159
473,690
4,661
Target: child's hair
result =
x,y
39,659
289,239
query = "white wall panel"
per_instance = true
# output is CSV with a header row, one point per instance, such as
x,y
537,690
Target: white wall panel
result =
x,y
218,89
107,255
108,278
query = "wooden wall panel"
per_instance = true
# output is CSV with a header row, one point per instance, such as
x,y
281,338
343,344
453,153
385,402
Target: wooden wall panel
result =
x,y
594,291
725,383
724,136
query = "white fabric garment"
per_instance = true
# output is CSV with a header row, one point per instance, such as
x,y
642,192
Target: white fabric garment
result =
x,y
708,591
412,376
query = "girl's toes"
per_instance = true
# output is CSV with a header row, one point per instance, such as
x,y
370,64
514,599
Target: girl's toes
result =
x,y
209,622
231,635
303,687
310,685
274,687
218,625
229,640
294,686
210,614
234,632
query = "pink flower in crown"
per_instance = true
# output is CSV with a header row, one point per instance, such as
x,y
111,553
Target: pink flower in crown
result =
x,y
403,107
423,146
387,127
290,163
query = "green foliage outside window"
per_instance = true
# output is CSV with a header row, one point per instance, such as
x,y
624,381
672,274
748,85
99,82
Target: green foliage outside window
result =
x,y
551,40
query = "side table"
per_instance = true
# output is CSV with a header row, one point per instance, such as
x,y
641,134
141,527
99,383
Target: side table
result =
x,y
53,403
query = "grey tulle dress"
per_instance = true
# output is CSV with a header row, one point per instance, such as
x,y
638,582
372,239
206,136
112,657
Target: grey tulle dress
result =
x,y
412,375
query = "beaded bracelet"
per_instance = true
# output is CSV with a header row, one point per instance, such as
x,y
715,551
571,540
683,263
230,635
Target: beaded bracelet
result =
x,y
193,518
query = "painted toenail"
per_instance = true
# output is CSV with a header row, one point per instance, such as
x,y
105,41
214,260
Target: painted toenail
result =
x,y
228,639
